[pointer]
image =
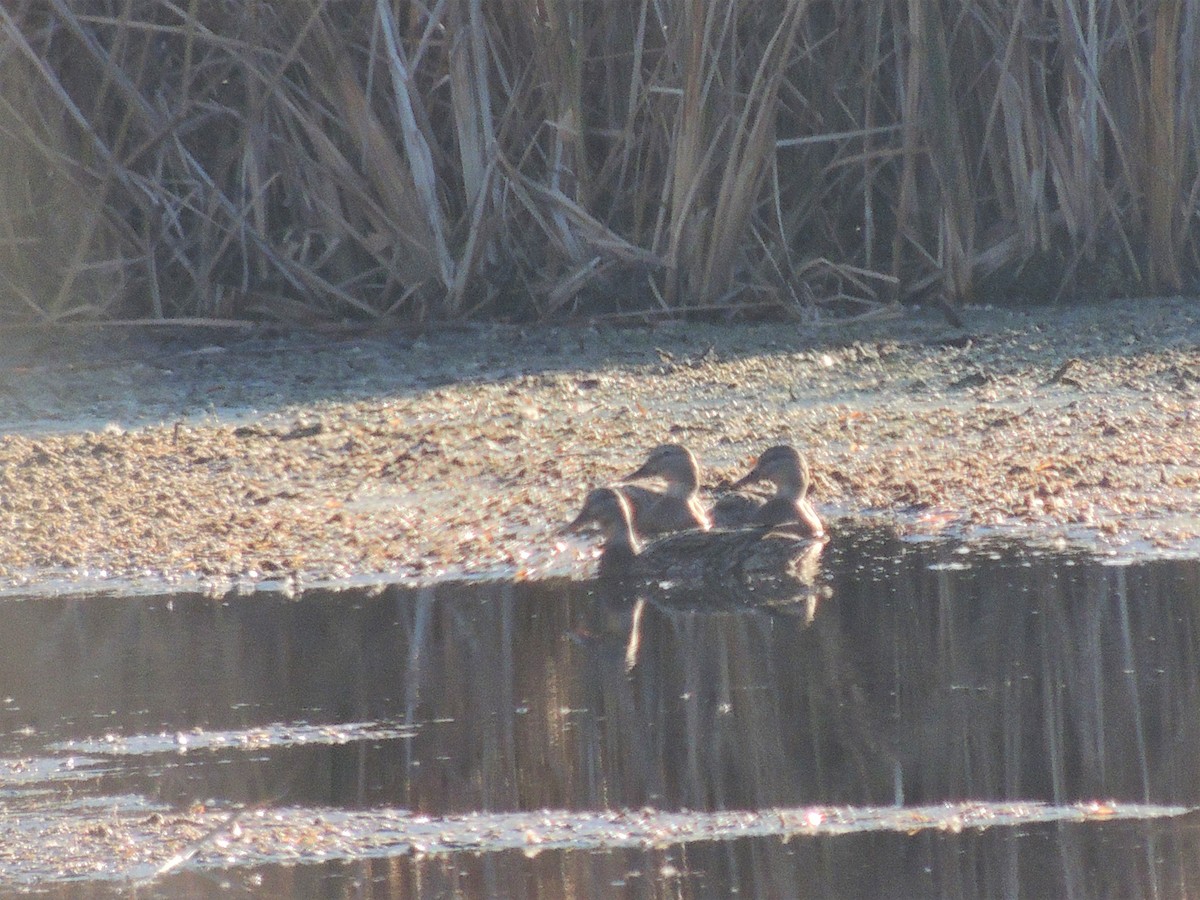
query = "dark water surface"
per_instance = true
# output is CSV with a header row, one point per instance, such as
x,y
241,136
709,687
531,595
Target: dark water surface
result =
x,y
998,722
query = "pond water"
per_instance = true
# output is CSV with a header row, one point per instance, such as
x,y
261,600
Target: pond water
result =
x,y
941,721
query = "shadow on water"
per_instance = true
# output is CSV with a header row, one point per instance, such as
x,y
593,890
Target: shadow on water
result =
x,y
1057,694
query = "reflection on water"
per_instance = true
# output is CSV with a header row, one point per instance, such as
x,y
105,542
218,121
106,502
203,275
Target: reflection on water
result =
x,y
924,675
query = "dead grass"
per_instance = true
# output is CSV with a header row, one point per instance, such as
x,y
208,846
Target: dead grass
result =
x,y
421,162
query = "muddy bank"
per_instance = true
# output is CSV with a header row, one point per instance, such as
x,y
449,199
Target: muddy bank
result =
x,y
167,457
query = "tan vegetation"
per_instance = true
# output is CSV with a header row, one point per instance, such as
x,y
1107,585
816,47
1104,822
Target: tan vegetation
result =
x,y
464,452
534,160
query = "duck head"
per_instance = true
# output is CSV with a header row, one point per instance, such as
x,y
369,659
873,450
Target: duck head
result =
x,y
606,508
673,463
784,467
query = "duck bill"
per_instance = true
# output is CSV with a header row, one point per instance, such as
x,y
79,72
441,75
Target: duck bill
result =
x,y
643,471
750,478
577,524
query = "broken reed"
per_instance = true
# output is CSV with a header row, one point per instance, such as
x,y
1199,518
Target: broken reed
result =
x,y
540,159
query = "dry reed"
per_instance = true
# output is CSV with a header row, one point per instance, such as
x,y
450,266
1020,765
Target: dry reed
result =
x,y
434,162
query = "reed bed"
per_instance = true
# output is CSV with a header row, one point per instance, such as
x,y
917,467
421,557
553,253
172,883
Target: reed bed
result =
x,y
546,159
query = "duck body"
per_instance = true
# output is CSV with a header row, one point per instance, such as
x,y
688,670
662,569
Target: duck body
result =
x,y
736,509
678,507
739,564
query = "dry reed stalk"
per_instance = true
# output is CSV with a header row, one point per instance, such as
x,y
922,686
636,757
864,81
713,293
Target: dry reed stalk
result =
x,y
57,240
471,96
454,159
870,102
753,147
938,127
906,229
419,170
1080,152
1165,157
1018,161
722,145
559,37
1189,147
693,141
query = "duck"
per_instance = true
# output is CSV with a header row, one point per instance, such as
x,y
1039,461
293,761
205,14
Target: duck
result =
x,y
738,563
678,508
788,470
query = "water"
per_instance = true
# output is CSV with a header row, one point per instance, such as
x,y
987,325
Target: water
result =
x,y
999,722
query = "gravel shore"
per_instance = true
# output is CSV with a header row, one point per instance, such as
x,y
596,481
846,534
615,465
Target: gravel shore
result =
x,y
200,456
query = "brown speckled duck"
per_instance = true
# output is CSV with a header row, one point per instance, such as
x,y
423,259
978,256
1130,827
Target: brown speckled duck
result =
x,y
788,470
735,562
678,507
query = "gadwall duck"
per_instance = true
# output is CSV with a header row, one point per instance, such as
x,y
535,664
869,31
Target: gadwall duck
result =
x,y
788,470
678,507
734,561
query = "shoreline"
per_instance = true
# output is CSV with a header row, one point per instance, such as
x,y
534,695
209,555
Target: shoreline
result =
x,y
249,457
